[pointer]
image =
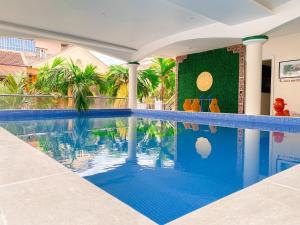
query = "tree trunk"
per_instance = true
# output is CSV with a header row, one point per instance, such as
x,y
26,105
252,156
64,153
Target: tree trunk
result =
x,y
70,99
162,93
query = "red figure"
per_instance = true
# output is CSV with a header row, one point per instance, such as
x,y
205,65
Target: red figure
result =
x,y
279,108
278,137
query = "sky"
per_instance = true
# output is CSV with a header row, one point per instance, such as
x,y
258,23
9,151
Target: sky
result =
x,y
107,59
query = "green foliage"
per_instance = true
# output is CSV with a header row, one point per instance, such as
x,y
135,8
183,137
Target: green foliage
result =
x,y
79,82
117,79
224,67
163,68
13,84
156,81
66,78
49,81
148,82
63,78
116,76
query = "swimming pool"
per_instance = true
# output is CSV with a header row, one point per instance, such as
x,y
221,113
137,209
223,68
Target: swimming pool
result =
x,y
162,168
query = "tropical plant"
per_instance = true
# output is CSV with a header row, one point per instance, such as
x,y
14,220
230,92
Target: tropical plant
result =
x,y
148,79
13,85
163,68
66,78
79,82
48,81
117,79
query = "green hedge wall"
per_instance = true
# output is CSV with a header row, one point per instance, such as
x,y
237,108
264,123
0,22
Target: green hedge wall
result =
x,y
224,67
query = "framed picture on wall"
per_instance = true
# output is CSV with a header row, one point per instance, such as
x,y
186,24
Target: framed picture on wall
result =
x,y
289,69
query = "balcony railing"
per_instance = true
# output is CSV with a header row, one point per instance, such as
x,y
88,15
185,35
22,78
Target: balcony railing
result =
x,y
51,102
158,105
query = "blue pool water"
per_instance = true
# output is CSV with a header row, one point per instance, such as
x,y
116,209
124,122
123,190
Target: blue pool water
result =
x,y
163,169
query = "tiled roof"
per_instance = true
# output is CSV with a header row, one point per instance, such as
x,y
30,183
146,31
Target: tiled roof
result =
x,y
11,58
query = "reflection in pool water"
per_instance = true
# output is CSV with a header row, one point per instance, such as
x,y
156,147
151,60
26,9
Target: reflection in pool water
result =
x,y
162,169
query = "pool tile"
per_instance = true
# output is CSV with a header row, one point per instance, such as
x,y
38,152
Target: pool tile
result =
x,y
289,124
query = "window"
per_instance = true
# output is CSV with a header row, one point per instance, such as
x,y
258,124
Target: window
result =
x,y
41,52
17,44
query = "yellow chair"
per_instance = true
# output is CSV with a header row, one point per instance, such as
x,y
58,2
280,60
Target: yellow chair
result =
x,y
214,107
195,107
187,105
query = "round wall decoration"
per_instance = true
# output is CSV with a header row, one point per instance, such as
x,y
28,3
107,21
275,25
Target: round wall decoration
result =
x,y
204,81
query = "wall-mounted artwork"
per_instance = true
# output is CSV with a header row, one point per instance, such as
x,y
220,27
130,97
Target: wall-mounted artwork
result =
x,y
289,69
204,81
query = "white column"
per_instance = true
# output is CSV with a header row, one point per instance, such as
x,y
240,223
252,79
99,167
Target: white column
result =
x,y
132,87
132,139
251,157
253,73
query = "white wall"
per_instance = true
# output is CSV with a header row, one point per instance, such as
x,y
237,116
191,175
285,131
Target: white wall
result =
x,y
53,47
284,48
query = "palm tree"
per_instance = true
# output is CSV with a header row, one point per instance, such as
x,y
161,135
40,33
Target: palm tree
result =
x,y
148,79
164,69
78,84
13,84
66,78
48,81
117,79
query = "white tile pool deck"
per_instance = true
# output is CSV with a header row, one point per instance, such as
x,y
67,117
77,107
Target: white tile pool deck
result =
x,y
37,190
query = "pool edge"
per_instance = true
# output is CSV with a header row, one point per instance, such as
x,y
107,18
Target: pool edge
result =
x,y
272,201
32,193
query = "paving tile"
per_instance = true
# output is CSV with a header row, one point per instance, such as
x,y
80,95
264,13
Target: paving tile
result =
x,y
65,199
7,138
289,178
21,162
260,204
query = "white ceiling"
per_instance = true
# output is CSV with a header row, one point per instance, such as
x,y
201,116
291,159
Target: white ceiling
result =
x,y
228,12
271,4
196,45
131,23
291,27
134,29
